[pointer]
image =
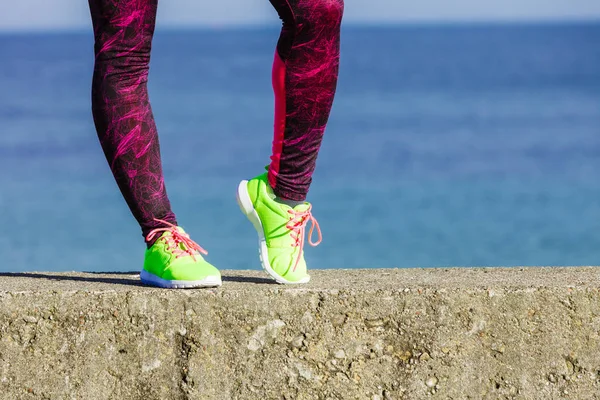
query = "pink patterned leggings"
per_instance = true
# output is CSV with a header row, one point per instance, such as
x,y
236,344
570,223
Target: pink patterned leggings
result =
x,y
305,71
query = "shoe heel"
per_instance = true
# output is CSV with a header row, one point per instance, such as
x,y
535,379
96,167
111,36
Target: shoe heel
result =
x,y
245,203
243,199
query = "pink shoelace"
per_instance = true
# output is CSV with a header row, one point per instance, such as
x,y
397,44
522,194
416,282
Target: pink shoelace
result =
x,y
297,224
176,237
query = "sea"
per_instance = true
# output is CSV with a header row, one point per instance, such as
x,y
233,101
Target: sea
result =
x,y
456,145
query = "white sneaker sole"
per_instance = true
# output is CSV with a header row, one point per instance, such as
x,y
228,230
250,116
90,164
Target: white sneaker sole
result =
x,y
153,280
245,203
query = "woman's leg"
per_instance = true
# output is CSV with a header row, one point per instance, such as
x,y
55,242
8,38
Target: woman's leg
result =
x,y
123,31
305,72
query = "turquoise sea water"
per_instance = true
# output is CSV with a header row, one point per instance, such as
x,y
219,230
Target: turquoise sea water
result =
x,y
447,146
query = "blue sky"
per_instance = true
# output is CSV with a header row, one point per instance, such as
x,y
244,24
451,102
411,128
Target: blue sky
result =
x,y
73,14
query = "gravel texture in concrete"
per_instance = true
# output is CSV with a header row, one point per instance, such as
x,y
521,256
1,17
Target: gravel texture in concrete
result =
x,y
501,333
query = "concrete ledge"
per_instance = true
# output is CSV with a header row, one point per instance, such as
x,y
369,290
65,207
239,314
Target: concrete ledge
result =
x,y
519,333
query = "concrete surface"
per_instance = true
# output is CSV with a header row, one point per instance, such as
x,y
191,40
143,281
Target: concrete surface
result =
x,y
519,333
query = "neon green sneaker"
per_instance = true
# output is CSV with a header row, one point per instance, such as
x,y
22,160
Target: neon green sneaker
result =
x,y
174,261
280,228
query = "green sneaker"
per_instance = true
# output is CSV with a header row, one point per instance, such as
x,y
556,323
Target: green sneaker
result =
x,y
280,228
174,261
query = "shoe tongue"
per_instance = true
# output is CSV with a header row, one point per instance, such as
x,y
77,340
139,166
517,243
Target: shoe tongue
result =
x,y
302,207
181,245
169,233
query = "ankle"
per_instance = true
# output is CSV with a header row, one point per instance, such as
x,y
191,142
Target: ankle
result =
x,y
291,203
284,199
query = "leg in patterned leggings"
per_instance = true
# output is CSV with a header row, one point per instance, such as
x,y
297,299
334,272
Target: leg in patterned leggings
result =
x,y
123,31
305,72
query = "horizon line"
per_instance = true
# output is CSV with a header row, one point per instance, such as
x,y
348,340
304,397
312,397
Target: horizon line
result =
x,y
260,25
